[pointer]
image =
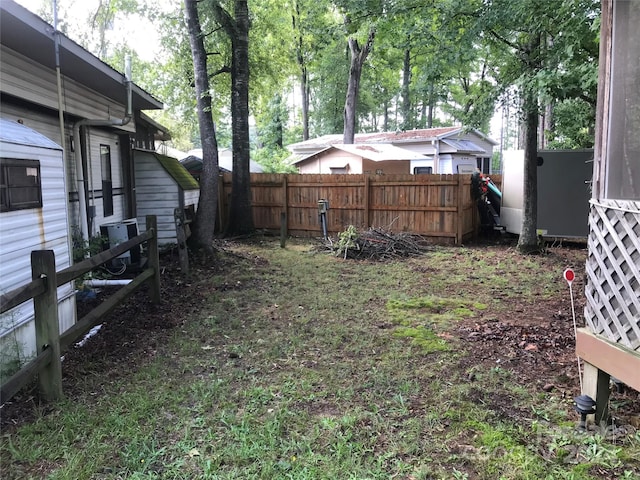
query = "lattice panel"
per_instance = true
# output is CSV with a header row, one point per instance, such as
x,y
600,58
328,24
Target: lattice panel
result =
x,y
613,271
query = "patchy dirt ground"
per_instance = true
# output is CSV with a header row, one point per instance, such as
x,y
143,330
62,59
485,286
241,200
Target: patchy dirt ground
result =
x,y
534,340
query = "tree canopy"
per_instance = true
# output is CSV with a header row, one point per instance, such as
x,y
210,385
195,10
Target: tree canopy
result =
x,y
283,71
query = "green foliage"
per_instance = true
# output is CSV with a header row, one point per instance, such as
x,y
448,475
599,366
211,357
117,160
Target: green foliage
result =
x,y
574,125
346,241
272,124
423,337
12,350
461,56
273,160
86,248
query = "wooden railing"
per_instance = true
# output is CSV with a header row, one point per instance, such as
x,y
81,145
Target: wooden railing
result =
x,y
43,289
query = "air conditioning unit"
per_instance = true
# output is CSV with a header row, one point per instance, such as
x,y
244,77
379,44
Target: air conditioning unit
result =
x,y
117,233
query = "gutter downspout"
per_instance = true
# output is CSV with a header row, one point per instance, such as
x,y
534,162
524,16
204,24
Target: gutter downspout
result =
x,y
65,166
436,155
79,152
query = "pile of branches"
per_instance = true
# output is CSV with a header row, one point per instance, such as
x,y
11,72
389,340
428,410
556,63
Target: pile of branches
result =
x,y
378,244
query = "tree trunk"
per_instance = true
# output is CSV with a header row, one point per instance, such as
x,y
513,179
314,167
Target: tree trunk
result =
x,y
528,241
240,214
407,120
385,118
304,74
204,227
357,55
304,90
431,105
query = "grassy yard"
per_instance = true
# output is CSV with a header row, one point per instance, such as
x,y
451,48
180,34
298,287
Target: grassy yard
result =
x,y
295,364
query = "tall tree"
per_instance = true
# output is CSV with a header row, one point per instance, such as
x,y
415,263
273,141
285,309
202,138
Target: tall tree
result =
x,y
357,56
536,44
297,16
207,205
237,29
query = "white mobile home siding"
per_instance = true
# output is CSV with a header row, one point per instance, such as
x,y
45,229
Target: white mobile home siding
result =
x,y
24,78
48,125
22,231
95,196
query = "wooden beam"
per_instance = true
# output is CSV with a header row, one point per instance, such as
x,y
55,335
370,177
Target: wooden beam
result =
x,y
21,294
79,269
616,360
596,384
21,378
97,314
366,201
181,237
43,265
460,209
153,258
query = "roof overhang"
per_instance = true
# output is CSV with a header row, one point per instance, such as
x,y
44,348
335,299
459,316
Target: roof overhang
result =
x,y
379,152
463,146
32,37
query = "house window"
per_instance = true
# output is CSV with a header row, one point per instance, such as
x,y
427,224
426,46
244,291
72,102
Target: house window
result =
x,y
336,170
484,164
107,185
20,186
422,170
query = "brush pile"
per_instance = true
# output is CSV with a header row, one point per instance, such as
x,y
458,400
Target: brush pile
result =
x,y
377,244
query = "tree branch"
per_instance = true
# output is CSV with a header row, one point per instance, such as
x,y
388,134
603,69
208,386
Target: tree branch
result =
x,y
221,70
500,38
223,17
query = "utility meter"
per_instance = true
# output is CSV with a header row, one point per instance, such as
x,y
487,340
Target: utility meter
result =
x,y
323,206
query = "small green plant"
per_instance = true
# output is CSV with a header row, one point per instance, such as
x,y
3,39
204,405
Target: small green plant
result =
x,y
85,248
12,351
458,475
346,241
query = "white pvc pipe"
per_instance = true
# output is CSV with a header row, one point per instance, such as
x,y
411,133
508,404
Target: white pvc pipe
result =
x,y
105,283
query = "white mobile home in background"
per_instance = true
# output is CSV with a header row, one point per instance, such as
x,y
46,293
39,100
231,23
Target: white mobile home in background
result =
x,y
33,216
564,190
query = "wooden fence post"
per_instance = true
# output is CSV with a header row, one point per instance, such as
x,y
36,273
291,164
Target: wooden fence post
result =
x,y
222,220
285,204
460,215
366,200
181,236
283,229
43,265
153,259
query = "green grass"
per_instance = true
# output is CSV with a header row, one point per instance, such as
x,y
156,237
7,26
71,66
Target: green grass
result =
x,y
306,366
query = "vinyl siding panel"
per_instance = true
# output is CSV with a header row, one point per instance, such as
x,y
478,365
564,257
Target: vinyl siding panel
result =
x,y
23,78
23,231
191,197
48,126
156,194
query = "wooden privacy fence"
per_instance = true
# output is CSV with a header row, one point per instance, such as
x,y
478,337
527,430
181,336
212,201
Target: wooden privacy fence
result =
x,y
43,290
437,206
